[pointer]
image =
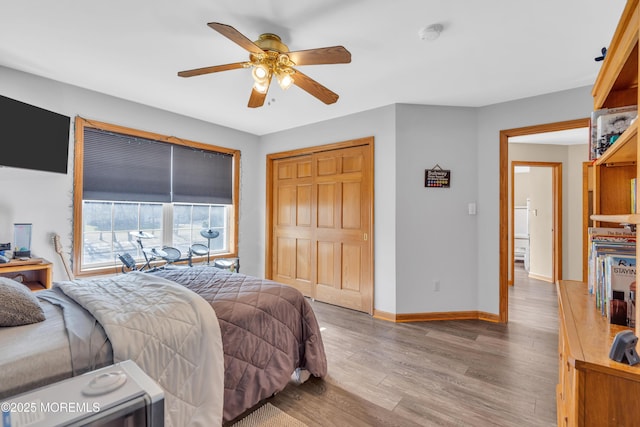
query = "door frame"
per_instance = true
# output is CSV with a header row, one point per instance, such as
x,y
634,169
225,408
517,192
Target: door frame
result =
x,y
271,158
587,210
556,196
503,228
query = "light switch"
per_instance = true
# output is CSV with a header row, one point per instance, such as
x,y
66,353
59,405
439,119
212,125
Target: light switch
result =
x,y
472,208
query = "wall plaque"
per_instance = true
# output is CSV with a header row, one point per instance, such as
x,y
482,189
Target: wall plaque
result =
x,y
437,177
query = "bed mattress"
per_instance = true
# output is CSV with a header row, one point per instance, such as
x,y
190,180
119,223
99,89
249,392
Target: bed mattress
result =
x,y
70,342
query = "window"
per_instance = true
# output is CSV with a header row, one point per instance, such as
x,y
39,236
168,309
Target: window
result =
x,y
169,189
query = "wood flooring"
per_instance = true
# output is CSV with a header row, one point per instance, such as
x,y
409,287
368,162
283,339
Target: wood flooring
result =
x,y
439,373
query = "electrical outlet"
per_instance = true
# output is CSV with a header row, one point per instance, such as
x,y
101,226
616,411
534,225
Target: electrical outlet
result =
x,y
436,285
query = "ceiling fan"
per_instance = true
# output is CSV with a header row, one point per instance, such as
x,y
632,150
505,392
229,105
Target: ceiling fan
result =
x,y
269,57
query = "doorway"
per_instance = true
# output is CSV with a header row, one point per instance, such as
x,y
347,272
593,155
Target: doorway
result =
x,y
320,222
504,228
536,225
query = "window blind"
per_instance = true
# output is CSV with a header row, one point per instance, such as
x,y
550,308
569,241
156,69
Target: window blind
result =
x,y
127,168
201,176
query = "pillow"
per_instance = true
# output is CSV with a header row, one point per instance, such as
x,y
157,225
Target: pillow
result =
x,y
18,305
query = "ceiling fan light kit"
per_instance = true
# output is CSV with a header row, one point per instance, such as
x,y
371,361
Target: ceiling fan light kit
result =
x,y
274,62
269,57
285,79
260,72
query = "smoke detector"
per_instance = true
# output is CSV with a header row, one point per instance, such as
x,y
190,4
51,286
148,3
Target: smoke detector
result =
x,y
431,32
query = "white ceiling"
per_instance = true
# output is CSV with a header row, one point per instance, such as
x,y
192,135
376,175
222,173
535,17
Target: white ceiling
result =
x,y
562,137
490,51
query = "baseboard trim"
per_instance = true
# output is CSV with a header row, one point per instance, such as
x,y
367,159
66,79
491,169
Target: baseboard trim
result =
x,y
538,277
428,317
384,315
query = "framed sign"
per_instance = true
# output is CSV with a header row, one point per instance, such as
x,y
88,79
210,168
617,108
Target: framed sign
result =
x,y
437,177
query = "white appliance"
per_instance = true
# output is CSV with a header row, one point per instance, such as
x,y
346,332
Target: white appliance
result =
x,y
521,234
120,395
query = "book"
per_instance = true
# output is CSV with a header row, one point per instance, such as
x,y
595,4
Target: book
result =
x,y
597,284
620,272
607,124
603,241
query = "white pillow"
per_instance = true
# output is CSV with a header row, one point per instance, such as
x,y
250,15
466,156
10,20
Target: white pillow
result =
x,y
18,305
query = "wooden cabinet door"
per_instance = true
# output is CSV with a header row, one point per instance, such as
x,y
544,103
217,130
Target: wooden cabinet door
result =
x,y
322,208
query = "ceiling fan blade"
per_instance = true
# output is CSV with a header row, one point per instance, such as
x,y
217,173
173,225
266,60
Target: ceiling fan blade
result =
x,y
323,55
236,37
314,88
214,69
257,98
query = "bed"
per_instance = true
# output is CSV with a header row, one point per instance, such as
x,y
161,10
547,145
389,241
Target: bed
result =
x,y
216,364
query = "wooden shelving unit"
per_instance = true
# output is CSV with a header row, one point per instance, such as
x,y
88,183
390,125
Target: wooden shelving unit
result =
x,y
594,390
617,86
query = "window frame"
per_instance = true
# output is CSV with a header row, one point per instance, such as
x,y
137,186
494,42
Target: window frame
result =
x,y
80,125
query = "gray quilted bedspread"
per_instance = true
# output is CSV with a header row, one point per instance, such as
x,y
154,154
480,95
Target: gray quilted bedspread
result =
x,y
268,331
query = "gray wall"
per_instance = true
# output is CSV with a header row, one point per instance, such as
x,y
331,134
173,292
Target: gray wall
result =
x,y
45,198
550,108
408,139
436,236
463,140
381,124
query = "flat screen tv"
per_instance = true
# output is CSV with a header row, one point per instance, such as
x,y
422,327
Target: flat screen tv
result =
x,y
32,137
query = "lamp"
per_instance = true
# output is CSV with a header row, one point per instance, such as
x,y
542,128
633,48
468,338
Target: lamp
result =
x,y
261,86
260,73
284,80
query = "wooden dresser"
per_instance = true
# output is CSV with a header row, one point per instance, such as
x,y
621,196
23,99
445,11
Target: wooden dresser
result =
x,y
593,390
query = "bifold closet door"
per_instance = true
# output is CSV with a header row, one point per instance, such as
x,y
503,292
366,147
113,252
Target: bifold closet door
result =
x,y
322,226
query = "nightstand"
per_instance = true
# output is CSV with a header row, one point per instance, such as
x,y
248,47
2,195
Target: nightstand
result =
x,y
35,273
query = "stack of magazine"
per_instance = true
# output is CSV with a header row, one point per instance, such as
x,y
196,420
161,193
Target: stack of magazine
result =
x,y
612,270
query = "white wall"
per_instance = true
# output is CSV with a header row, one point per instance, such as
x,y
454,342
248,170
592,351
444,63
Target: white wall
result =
x,y
541,223
45,198
522,188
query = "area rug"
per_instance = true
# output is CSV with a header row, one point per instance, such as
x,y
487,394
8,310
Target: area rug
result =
x,y
268,416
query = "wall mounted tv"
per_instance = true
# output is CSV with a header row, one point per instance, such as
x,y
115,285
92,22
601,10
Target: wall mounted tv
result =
x,y
32,137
